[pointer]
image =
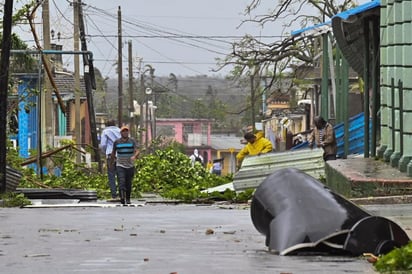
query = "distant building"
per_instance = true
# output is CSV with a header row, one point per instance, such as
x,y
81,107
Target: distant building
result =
x,y
225,148
192,133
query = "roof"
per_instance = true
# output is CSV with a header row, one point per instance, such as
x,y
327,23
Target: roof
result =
x,y
348,29
65,83
315,30
324,27
359,9
174,120
223,142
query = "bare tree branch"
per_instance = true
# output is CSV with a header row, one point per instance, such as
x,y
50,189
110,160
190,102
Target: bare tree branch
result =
x,y
275,56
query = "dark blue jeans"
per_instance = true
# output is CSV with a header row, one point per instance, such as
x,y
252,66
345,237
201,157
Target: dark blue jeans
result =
x,y
125,178
217,172
111,175
329,157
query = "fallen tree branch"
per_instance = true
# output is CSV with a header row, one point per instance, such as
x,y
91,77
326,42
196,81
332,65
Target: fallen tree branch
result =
x,y
47,154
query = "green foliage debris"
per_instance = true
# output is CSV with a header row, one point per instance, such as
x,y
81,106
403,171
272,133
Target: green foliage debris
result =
x,y
399,260
166,172
11,199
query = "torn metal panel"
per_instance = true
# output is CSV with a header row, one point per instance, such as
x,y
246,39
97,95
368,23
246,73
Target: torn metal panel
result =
x,y
348,29
255,169
13,177
56,193
299,215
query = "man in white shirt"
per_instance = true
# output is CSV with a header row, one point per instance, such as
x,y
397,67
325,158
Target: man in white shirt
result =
x,y
110,134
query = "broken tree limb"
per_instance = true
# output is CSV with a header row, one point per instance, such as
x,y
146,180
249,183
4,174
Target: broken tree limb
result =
x,y
47,154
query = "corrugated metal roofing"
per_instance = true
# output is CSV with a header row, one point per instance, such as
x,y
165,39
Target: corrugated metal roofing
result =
x,y
356,136
325,26
256,168
348,29
313,30
359,9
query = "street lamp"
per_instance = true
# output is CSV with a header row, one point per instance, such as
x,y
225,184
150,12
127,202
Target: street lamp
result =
x,y
145,93
152,109
148,91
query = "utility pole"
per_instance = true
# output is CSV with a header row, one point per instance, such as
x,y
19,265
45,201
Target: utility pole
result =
x,y
142,101
4,77
120,67
131,104
252,100
77,127
90,83
47,94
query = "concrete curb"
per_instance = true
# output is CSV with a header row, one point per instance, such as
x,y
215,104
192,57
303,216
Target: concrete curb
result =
x,y
398,199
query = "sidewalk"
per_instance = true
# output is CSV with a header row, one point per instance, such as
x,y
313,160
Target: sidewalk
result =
x,y
366,177
156,239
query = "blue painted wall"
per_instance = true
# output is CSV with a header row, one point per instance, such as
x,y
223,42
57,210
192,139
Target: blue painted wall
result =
x,y
27,115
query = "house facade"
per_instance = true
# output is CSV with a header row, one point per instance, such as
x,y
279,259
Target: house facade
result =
x,y
225,148
376,40
31,134
192,133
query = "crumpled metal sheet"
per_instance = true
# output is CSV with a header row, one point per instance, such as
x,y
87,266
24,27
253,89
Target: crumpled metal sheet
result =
x,y
256,168
299,215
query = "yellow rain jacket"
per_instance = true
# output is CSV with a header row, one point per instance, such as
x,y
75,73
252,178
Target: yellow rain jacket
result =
x,y
260,145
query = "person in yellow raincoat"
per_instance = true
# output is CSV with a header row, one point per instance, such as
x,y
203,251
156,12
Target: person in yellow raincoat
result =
x,y
256,145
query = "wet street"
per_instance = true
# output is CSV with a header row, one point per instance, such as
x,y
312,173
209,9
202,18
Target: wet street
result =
x,y
156,239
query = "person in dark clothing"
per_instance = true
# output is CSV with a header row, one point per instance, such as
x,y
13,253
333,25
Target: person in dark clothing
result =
x,y
217,167
323,135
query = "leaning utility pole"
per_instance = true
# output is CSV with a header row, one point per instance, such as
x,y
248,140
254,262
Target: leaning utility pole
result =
x,y
4,77
90,83
47,95
120,67
77,123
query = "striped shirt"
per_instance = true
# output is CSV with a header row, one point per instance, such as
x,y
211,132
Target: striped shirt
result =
x,y
125,149
321,133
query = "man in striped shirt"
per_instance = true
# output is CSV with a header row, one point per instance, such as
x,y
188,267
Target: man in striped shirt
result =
x,y
125,152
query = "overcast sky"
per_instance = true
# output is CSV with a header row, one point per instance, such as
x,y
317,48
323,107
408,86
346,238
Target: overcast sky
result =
x,y
174,36
182,36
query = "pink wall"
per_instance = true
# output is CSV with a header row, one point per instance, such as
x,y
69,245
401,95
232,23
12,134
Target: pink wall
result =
x,y
178,124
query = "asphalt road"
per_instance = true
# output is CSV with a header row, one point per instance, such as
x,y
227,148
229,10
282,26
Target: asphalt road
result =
x,y
155,239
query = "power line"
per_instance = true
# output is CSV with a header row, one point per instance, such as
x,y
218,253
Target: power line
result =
x,y
152,30
160,62
182,36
